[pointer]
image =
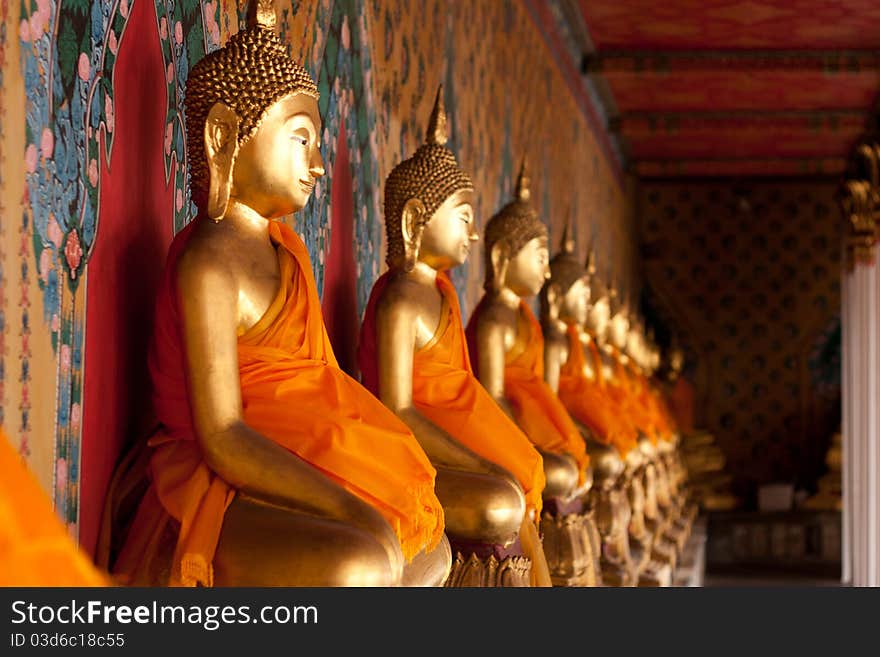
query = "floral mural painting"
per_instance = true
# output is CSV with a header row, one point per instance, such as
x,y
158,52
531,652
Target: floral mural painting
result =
x,y
4,15
68,53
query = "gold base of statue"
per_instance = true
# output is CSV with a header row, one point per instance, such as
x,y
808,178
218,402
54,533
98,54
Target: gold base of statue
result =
x,y
568,546
617,574
655,574
474,572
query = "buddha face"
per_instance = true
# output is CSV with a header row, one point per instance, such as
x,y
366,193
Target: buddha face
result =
x,y
446,238
575,302
276,169
528,269
618,329
597,318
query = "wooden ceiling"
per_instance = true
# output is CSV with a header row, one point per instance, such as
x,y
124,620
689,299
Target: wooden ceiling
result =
x,y
736,88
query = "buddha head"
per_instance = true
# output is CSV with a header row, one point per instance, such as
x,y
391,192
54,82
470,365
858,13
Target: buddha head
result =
x,y
676,362
252,123
516,251
618,325
599,309
429,214
566,293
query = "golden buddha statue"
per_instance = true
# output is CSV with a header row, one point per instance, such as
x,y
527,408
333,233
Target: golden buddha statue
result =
x,y
573,370
413,355
506,347
266,471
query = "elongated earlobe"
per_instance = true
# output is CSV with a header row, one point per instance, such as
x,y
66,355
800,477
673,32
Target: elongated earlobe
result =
x,y
412,224
221,148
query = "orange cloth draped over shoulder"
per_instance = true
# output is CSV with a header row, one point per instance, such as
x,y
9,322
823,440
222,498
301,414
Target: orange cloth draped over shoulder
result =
x,y
591,401
446,392
35,548
538,411
293,393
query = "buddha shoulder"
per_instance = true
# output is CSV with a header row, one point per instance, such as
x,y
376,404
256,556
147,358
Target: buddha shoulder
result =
x,y
408,297
205,263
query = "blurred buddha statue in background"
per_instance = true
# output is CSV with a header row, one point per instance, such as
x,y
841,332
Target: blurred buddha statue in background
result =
x,y
271,466
573,370
700,456
413,355
506,347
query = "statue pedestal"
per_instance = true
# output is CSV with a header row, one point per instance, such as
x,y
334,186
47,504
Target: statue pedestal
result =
x,y
488,565
569,547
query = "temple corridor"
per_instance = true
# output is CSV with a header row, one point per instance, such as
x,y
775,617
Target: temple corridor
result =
x,y
592,282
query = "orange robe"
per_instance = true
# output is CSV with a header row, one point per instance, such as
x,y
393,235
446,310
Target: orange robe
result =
x,y
35,548
592,401
293,393
446,391
538,411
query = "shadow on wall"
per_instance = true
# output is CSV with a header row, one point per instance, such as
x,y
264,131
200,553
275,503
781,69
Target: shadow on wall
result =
x,y
124,270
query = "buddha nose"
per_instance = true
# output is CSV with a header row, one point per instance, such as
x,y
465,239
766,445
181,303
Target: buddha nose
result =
x,y
473,235
316,166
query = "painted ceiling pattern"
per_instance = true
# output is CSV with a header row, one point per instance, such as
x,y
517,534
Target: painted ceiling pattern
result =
x,y
701,61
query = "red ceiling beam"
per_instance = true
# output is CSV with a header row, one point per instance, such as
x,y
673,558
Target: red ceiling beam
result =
x,y
647,123
741,167
677,61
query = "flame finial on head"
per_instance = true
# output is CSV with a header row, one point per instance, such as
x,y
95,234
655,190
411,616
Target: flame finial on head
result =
x,y
438,130
261,13
567,244
522,192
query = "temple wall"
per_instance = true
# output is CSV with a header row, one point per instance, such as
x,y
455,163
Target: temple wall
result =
x,y
92,175
749,279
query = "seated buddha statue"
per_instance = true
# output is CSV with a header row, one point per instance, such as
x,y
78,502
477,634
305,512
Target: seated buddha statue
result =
x,y
413,355
272,467
571,369
506,347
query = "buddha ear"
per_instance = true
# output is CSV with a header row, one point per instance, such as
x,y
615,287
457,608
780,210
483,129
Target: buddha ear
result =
x,y
500,256
554,300
221,148
412,224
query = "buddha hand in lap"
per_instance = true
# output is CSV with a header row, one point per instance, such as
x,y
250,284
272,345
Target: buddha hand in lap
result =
x,y
506,347
265,470
413,355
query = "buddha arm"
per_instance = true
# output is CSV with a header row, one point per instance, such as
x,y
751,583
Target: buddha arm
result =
x,y
396,346
555,354
492,337
241,456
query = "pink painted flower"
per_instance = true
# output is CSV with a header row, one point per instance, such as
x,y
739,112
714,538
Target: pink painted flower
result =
x,y
56,323
30,158
47,143
169,74
179,200
64,358
169,133
345,36
178,33
123,8
163,28
44,8
54,231
24,31
93,172
45,265
112,42
73,252
60,474
212,28
84,67
37,25
75,416
108,113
